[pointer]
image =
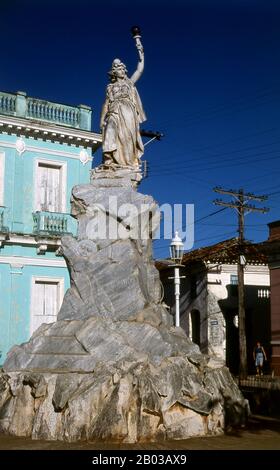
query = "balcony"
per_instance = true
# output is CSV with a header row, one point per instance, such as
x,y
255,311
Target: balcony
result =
x,y
53,224
3,220
20,105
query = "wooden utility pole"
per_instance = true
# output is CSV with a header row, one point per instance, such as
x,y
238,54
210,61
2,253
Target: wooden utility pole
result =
x,y
241,205
241,292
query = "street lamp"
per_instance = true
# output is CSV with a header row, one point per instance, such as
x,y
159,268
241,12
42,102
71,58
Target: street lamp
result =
x,y
176,255
176,249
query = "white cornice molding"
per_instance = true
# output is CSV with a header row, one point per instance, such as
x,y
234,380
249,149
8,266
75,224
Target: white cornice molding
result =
x,y
50,131
249,268
24,261
34,241
31,148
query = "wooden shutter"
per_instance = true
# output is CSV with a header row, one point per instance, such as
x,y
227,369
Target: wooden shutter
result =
x,y
49,188
45,303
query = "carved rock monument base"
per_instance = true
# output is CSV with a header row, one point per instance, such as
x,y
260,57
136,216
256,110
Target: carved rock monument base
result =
x,y
113,367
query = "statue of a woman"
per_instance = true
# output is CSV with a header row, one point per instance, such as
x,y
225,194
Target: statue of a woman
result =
x,y
121,115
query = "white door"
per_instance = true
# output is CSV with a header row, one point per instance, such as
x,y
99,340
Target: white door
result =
x,y
45,302
49,188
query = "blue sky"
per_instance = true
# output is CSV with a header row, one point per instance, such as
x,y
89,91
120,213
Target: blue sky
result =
x,y
210,84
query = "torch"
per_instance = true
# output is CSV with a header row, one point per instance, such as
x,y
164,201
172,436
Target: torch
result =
x,y
136,34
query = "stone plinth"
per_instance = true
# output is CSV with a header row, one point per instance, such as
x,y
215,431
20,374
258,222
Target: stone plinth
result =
x,y
113,366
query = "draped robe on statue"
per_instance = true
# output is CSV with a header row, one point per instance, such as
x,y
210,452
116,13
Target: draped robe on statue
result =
x,y
122,113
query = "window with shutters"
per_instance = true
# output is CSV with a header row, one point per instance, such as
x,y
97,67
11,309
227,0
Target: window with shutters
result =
x,y
50,186
233,290
234,279
2,179
47,295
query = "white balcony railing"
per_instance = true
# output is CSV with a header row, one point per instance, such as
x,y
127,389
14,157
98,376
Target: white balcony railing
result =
x,y
7,103
264,293
53,112
52,223
20,105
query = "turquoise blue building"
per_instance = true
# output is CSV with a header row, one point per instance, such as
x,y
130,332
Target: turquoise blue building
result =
x,y
45,149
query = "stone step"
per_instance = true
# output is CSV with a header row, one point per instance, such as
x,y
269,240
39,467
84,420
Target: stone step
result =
x,y
66,345
53,363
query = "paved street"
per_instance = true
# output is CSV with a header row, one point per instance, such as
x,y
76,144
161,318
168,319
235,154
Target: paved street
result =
x,y
260,434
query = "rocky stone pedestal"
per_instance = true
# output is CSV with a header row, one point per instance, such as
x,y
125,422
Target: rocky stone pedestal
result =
x,y
113,367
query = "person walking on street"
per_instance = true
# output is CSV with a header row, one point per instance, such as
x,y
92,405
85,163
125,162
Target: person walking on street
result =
x,y
259,356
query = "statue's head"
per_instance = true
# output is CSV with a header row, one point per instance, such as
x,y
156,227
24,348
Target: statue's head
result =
x,y
118,69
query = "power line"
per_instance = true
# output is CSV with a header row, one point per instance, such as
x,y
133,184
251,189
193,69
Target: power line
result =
x,y
232,232
192,179
216,165
210,215
198,220
262,176
225,108
231,152
237,139
233,225
272,194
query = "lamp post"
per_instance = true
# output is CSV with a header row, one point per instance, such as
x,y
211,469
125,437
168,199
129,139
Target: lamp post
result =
x,y
176,255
